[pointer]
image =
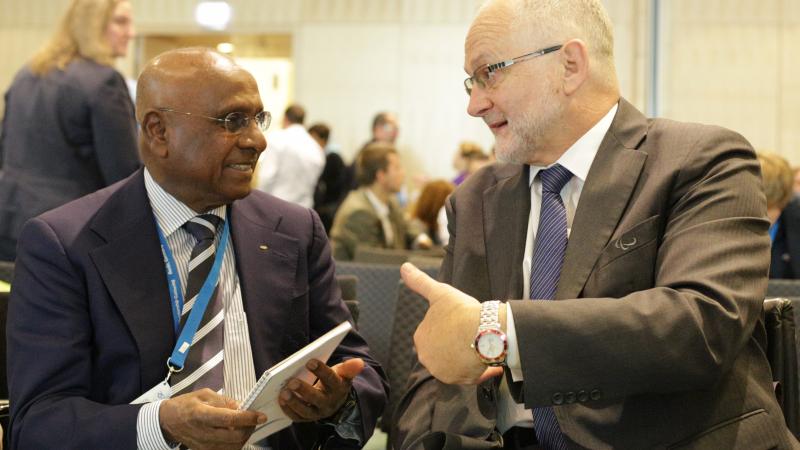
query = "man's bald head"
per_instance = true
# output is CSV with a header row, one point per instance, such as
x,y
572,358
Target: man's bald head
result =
x,y
176,75
187,140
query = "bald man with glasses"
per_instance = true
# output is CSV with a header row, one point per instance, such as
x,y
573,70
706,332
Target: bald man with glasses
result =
x,y
107,289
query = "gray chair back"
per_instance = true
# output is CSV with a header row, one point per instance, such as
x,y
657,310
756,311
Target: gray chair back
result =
x,y
779,321
375,255
783,288
376,291
409,311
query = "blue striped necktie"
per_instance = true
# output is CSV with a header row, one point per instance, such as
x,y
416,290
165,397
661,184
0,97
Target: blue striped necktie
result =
x,y
548,257
204,365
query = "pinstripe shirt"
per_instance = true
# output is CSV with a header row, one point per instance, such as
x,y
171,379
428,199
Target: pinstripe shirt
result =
x,y
170,214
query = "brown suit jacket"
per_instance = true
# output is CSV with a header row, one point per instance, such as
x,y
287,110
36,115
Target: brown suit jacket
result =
x,y
357,223
654,340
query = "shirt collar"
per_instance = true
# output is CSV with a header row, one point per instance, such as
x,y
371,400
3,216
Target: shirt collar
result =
x,y
579,157
170,212
381,208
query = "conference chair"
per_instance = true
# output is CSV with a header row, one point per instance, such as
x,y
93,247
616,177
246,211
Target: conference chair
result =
x,y
783,288
376,292
409,311
376,255
347,284
779,321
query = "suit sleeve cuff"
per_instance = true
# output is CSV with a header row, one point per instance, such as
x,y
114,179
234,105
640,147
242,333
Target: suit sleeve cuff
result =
x,y
512,357
148,429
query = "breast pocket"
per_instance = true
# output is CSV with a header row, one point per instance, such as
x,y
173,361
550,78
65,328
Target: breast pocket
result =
x,y
627,264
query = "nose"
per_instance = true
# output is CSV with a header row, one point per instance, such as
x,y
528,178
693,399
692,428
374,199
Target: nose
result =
x,y
253,137
479,103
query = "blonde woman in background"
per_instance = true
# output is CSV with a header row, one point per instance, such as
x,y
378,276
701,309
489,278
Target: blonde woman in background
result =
x,y
783,211
69,127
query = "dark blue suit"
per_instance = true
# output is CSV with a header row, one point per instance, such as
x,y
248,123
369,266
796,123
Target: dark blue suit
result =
x,y
785,260
90,326
64,135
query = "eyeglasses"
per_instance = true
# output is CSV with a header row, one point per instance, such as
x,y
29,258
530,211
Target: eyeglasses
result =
x,y
233,122
484,75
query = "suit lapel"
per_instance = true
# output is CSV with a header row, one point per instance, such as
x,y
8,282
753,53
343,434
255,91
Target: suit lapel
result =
x,y
506,207
132,268
611,180
266,262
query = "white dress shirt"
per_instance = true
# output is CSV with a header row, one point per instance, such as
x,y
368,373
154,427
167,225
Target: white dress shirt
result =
x,y
382,210
239,370
577,159
291,165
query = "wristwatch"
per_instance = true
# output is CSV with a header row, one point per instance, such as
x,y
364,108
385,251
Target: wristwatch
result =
x,y
490,341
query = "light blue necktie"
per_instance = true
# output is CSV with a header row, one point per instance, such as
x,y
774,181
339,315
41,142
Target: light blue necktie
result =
x,y
548,257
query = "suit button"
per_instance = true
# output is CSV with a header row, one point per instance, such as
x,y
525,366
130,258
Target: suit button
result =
x,y
569,397
595,394
558,398
582,396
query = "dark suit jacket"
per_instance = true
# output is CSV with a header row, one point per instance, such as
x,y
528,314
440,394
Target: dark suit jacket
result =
x,y
65,135
785,262
654,340
332,188
90,327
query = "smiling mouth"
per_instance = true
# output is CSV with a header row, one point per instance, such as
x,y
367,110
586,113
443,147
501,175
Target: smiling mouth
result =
x,y
243,167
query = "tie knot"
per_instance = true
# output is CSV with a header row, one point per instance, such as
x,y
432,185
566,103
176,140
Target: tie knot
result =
x,y
203,227
554,178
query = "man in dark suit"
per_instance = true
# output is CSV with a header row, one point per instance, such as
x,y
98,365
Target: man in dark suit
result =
x,y
93,319
643,265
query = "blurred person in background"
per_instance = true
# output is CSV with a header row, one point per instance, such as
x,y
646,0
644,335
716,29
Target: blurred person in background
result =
x,y
783,211
291,166
796,174
370,215
463,160
69,126
428,215
384,129
332,186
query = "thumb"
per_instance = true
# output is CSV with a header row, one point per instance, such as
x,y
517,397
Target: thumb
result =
x,y
418,281
349,369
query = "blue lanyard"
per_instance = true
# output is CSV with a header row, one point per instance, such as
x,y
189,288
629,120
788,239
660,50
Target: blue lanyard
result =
x,y
773,229
179,353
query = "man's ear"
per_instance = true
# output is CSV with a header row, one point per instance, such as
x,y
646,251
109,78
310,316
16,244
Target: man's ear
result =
x,y
575,58
154,131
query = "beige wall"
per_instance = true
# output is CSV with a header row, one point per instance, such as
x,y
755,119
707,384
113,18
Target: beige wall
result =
x,y
734,63
726,61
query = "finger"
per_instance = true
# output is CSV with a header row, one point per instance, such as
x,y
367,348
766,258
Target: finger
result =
x,y
348,369
308,393
417,280
300,409
228,418
490,372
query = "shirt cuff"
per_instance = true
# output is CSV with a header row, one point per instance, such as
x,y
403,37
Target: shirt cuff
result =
x,y
512,356
148,429
350,426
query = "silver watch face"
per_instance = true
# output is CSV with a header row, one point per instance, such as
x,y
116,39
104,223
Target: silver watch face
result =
x,y
491,345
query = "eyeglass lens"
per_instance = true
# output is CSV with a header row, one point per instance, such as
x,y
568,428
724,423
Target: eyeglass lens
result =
x,y
237,121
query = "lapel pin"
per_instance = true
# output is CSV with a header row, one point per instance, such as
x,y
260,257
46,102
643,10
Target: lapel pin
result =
x,y
624,246
263,247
